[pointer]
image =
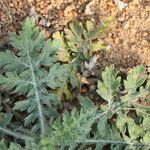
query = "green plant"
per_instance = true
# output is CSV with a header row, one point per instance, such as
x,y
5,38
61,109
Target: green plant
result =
x,y
110,85
31,71
127,100
40,74
80,41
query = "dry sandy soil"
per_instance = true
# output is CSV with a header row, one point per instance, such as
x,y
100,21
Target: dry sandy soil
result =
x,y
128,38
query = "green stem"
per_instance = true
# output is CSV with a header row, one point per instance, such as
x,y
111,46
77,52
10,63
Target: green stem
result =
x,y
37,98
114,142
15,134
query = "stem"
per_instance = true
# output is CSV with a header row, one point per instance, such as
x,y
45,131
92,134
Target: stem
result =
x,y
15,134
136,109
105,141
102,114
113,142
37,98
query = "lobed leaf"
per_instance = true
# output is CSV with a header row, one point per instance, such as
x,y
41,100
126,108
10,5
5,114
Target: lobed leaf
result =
x,y
108,88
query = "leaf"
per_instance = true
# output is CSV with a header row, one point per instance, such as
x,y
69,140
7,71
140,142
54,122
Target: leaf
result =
x,y
73,128
62,53
28,69
63,90
103,128
14,146
121,124
97,46
47,56
134,96
125,124
89,25
3,146
5,119
146,138
85,102
135,132
133,86
29,39
72,39
108,88
135,79
148,88
73,78
76,28
145,123
13,80
6,58
22,105
82,41
104,132
57,74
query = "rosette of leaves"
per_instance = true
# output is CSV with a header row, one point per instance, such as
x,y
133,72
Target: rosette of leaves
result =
x,y
80,41
33,71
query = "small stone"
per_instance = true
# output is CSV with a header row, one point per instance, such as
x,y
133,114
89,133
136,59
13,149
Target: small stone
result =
x,y
145,34
88,9
121,5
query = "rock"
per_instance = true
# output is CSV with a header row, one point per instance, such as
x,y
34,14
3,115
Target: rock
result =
x,y
121,5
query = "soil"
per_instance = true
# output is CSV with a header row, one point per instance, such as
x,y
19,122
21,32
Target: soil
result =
x,y
128,37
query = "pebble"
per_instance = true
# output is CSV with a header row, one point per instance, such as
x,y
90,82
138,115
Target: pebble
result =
x,y
127,25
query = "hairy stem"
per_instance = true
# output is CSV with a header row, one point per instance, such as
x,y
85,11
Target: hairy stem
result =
x,y
15,134
114,142
37,98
